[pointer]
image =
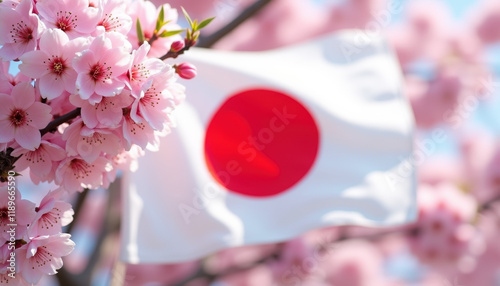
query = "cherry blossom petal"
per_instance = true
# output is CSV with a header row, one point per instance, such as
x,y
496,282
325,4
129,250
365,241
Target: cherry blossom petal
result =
x,y
32,64
6,106
85,86
6,131
109,87
23,95
28,137
51,86
53,40
39,114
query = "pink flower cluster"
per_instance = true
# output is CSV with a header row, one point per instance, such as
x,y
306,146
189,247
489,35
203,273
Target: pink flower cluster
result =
x,y
91,94
32,239
445,236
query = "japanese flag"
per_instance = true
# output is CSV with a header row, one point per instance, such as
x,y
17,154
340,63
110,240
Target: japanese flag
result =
x,y
272,144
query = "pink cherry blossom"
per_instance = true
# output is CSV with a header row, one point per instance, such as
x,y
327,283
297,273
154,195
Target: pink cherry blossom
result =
x,y
56,140
8,81
43,255
74,17
445,237
24,212
147,13
40,160
157,99
486,21
425,34
439,99
50,177
21,117
441,169
19,30
51,215
292,264
354,263
90,143
74,173
478,148
125,161
17,280
52,63
430,23
114,18
108,113
139,133
99,67
142,67
256,276
358,14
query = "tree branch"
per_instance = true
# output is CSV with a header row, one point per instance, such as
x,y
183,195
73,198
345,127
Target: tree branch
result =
x,y
174,55
209,41
77,209
60,120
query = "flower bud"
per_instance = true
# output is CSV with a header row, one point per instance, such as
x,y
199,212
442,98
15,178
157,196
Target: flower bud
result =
x,y
177,46
185,70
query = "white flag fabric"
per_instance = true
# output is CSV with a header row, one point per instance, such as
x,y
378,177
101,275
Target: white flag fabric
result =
x,y
272,144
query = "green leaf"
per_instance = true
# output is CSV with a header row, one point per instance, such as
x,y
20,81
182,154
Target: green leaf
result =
x,y
187,17
205,22
158,26
161,16
159,21
170,33
140,33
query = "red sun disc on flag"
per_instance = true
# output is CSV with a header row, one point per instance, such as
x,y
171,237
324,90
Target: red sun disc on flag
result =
x,y
261,142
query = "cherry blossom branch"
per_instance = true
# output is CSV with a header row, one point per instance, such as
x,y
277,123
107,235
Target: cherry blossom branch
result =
x,y
174,55
60,120
209,41
7,161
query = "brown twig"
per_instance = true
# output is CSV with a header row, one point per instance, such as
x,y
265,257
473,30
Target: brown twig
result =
x,y
209,41
174,55
60,120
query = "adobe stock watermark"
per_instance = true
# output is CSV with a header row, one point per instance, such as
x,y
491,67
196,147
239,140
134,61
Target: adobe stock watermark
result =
x,y
246,150
11,215
372,29
454,119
